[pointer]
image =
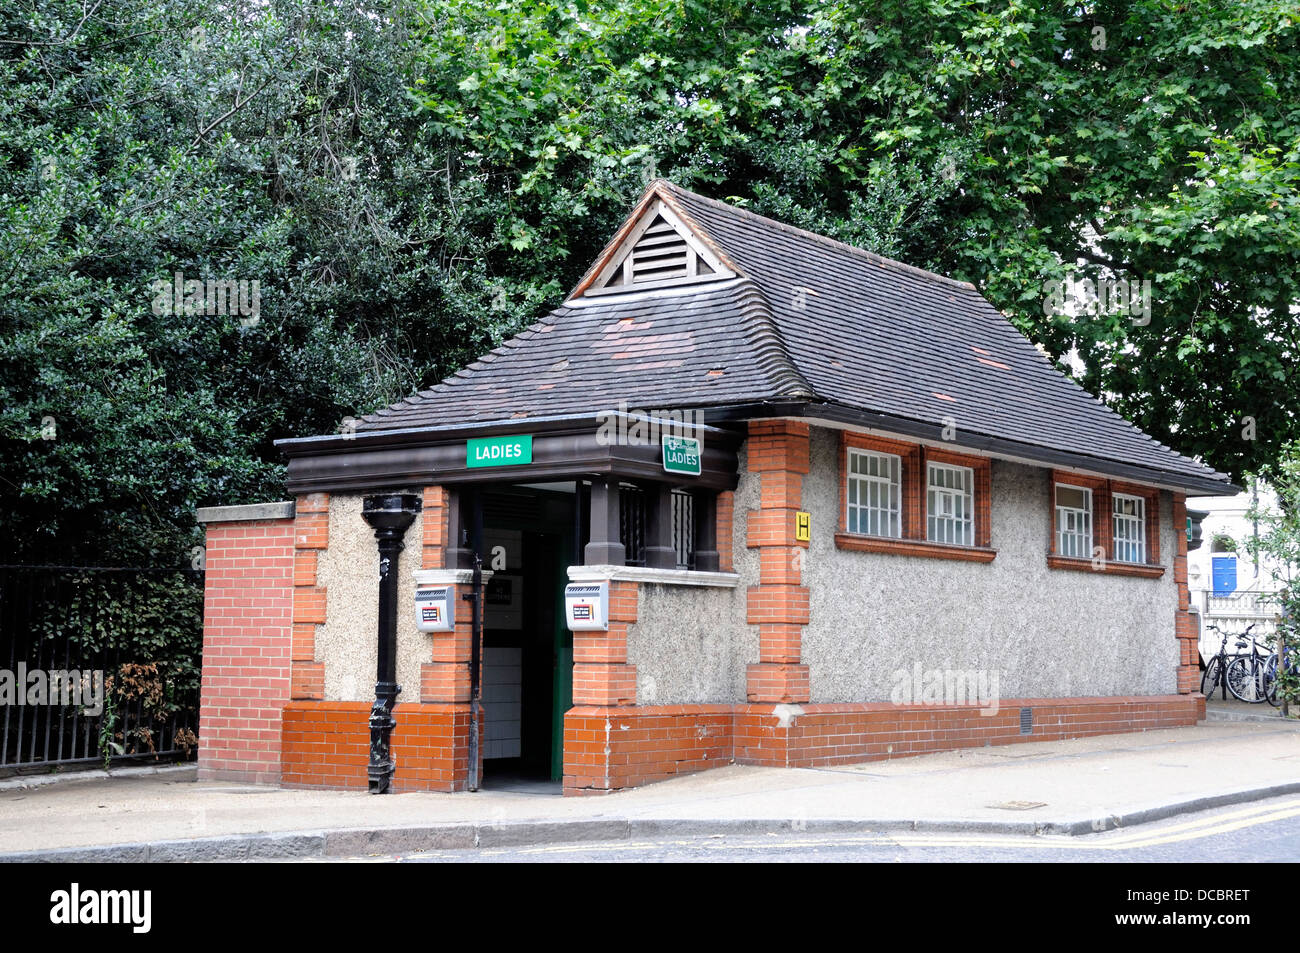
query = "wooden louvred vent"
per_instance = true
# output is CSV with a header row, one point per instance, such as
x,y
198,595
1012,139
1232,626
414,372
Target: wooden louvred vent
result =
x,y
659,251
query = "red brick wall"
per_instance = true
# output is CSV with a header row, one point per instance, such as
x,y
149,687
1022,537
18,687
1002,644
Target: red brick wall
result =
x,y
247,615
327,744
608,749
843,734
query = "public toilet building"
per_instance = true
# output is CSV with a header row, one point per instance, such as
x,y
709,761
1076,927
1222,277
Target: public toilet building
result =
x,y
747,495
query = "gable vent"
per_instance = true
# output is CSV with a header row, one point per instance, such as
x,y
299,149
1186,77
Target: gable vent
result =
x,y
659,251
662,253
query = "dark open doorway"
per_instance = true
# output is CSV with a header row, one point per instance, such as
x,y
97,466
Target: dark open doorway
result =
x,y
529,537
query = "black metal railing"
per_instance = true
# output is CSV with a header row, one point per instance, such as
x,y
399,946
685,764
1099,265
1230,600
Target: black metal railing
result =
x,y
631,523
98,661
684,527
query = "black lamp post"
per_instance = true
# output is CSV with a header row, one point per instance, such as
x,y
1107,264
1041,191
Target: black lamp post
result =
x,y
389,514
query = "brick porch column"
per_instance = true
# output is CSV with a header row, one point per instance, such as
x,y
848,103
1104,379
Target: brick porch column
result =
x,y
1186,623
445,678
311,534
778,605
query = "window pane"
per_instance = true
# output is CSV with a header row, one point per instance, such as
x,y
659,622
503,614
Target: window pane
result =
x,y
1129,528
949,505
874,493
1071,496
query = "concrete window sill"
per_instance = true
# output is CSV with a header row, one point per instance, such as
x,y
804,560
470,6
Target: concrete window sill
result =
x,y
1108,567
913,547
662,577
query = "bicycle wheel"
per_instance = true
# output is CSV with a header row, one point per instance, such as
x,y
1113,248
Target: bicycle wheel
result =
x,y
1212,676
1270,681
1245,677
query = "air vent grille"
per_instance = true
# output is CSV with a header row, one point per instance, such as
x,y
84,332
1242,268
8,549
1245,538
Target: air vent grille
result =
x,y
661,251
660,254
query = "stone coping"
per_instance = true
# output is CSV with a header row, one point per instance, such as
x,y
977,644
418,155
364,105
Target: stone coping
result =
x,y
662,577
246,512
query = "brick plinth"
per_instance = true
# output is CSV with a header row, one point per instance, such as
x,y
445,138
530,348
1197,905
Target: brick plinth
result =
x,y
327,745
247,613
608,749
819,735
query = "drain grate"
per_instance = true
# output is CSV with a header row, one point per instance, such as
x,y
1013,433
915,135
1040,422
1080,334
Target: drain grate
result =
x,y
1026,721
1018,805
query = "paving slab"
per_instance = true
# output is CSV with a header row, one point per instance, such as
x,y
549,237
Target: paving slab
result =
x,y
1063,787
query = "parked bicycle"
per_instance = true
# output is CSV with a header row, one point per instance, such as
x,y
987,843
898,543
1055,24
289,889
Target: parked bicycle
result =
x,y
1247,673
1212,677
1240,672
1270,674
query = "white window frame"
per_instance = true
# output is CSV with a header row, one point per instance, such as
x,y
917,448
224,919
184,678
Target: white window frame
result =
x,y
1077,536
887,507
954,521
1135,543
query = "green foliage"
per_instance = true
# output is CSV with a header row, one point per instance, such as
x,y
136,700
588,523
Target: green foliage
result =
x,y
276,146
143,619
410,181
1005,143
1278,541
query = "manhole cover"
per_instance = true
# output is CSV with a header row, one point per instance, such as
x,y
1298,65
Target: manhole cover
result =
x,y
1018,805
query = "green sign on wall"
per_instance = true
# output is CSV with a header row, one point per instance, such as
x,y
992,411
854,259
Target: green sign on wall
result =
x,y
682,455
499,451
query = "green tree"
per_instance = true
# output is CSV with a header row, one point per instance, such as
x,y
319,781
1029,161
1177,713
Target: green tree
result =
x,y
1278,542
1009,143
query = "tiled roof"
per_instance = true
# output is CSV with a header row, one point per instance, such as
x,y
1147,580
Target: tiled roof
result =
x,y
806,319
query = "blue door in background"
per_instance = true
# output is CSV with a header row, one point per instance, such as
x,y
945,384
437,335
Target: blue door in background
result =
x,y
1223,575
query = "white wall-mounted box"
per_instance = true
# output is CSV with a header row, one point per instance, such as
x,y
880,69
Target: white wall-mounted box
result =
x,y
435,609
586,606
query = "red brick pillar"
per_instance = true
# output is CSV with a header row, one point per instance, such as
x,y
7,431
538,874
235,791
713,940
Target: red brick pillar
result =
x,y
434,545
724,508
445,678
601,674
778,605
604,687
311,534
1186,623
247,612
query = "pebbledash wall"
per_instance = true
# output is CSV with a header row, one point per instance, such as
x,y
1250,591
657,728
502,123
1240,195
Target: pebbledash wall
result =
x,y
812,636
787,656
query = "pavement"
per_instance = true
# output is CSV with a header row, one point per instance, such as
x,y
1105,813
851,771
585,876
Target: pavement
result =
x,y
1230,709
1053,788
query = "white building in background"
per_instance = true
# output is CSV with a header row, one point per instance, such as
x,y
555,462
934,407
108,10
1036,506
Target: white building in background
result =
x,y
1228,586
